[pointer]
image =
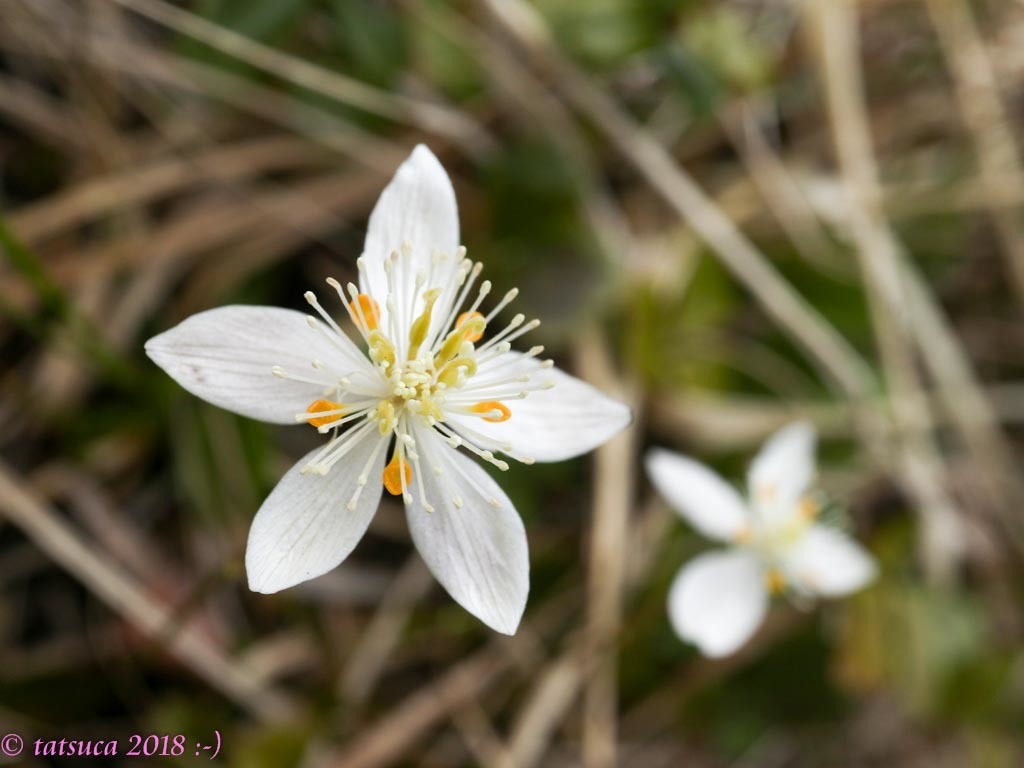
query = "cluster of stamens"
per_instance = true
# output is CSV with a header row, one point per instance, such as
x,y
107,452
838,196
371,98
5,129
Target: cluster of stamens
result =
x,y
420,375
771,540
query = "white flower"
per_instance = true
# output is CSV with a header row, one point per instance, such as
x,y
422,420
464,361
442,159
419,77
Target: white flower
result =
x,y
429,382
719,599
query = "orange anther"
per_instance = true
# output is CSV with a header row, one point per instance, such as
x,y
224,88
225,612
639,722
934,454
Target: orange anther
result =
x,y
489,407
319,406
775,581
808,508
470,335
392,478
370,310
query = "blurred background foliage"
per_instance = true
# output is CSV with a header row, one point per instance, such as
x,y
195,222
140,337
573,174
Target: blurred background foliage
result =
x,y
160,158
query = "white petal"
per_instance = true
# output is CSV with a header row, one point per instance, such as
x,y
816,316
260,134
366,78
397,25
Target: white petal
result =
x,y
696,492
305,528
553,424
417,208
477,551
718,600
783,470
226,355
829,563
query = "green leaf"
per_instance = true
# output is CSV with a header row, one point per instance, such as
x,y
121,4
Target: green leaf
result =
x,y
371,40
59,311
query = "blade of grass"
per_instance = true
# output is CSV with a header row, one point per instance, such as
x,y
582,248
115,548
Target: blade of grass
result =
x,y
83,336
922,468
113,586
436,118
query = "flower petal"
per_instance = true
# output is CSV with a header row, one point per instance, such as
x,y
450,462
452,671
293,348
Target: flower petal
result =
x,y
698,494
417,208
226,357
718,600
567,420
781,473
476,550
829,563
305,528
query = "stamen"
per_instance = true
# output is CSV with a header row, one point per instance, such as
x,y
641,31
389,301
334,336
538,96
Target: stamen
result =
x,y
393,472
485,288
362,413
382,351
511,360
334,450
420,327
476,487
384,415
470,334
505,301
808,508
457,339
337,338
367,310
514,323
525,329
414,457
312,301
281,373
364,474
394,322
775,580
473,271
326,409
492,411
482,386
455,373
456,440
472,398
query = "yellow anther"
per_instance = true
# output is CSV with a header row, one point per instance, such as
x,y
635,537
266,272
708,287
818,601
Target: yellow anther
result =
x,y
767,493
393,472
470,333
319,406
775,581
421,325
474,327
365,308
489,407
430,408
449,376
743,535
381,349
384,415
808,508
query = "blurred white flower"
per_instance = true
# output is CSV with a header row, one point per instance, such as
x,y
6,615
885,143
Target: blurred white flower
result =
x,y
719,599
427,384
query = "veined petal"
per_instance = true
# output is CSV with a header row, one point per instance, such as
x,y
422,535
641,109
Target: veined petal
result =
x,y
226,357
829,563
569,419
718,600
305,527
476,550
417,209
698,494
783,470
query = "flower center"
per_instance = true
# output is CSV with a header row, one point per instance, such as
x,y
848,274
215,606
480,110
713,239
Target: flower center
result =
x,y
771,539
429,360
